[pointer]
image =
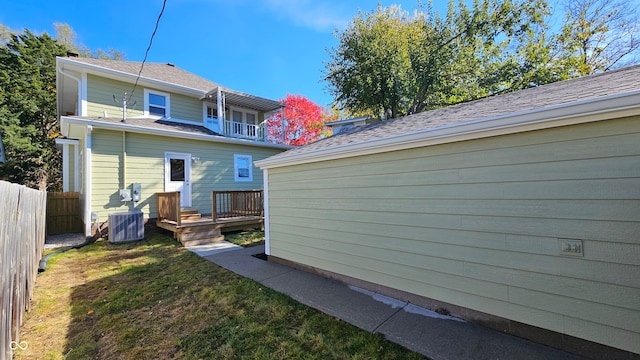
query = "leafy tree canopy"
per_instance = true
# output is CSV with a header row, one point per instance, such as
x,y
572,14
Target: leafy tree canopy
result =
x,y
303,122
390,63
66,36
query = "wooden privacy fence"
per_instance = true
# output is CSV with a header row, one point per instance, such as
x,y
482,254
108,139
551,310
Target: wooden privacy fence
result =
x,y
22,235
63,213
236,203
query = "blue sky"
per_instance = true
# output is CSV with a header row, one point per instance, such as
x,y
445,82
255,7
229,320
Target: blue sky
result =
x,y
268,48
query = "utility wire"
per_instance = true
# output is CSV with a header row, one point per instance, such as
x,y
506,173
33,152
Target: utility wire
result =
x,y
164,3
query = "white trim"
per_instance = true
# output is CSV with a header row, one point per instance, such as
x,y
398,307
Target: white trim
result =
x,y
236,158
65,162
221,112
66,121
265,199
614,106
167,107
65,167
88,143
76,167
84,104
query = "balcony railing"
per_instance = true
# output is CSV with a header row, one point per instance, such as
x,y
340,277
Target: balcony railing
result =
x,y
243,130
237,203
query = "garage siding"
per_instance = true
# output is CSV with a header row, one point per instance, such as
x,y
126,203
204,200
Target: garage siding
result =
x,y
477,224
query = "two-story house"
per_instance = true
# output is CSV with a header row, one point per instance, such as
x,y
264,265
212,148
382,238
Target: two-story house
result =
x,y
177,132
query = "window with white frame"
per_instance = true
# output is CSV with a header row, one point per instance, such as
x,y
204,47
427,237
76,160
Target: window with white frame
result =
x,y
242,167
156,103
244,122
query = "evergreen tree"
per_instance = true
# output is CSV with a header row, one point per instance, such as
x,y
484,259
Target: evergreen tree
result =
x,y
28,123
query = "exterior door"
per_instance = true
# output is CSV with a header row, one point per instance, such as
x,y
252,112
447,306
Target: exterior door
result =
x,y
177,176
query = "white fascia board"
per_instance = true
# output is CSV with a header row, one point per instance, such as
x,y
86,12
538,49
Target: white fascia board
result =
x,y
126,77
175,134
614,106
67,141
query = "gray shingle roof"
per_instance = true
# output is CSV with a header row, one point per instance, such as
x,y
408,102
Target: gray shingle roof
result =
x,y
174,75
157,71
152,123
563,92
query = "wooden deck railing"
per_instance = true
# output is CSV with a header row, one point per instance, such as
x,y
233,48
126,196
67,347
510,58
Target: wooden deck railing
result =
x,y
236,203
169,206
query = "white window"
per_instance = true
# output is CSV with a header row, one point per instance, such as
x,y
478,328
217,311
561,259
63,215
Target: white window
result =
x,y
212,111
242,167
156,103
244,122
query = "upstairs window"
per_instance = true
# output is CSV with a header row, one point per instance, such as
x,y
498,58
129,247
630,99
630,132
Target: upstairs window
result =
x,y
156,103
212,111
242,167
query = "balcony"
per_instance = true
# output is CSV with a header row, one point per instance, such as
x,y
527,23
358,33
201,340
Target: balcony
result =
x,y
243,130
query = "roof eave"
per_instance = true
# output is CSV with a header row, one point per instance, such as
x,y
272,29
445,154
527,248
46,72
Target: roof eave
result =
x,y
125,76
613,106
252,101
65,120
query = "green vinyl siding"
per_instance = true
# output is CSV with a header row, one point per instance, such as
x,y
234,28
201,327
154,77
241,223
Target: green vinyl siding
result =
x,y
100,93
186,108
144,161
477,224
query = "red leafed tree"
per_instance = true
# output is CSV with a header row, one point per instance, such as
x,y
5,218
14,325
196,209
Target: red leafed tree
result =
x,y
303,122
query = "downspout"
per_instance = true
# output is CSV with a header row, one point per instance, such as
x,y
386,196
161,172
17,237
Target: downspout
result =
x,y
265,206
87,181
124,161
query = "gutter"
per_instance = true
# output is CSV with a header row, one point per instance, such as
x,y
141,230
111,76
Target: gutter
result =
x,y
602,108
175,134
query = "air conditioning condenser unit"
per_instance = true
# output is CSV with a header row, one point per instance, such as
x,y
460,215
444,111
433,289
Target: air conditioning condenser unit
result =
x,y
126,226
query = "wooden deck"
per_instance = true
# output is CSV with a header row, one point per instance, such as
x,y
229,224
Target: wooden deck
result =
x,y
236,210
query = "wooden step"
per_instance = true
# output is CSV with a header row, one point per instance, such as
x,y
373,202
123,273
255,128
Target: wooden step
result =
x,y
197,234
190,215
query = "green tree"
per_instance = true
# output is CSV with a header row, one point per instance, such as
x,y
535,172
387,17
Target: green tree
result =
x,y
28,121
388,63
391,63
67,37
599,35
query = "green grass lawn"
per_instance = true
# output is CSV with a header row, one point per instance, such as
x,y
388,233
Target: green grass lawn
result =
x,y
245,238
155,300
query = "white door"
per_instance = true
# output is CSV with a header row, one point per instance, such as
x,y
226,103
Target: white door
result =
x,y
177,176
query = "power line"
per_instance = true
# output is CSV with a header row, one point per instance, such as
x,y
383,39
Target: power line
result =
x,y
164,3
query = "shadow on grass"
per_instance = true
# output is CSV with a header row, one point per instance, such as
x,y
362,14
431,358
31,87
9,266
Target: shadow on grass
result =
x,y
155,300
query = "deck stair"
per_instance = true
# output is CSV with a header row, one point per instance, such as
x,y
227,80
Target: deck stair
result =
x,y
190,215
193,229
233,210
199,233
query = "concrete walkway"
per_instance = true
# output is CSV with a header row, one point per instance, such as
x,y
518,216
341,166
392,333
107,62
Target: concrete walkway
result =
x,y
421,330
